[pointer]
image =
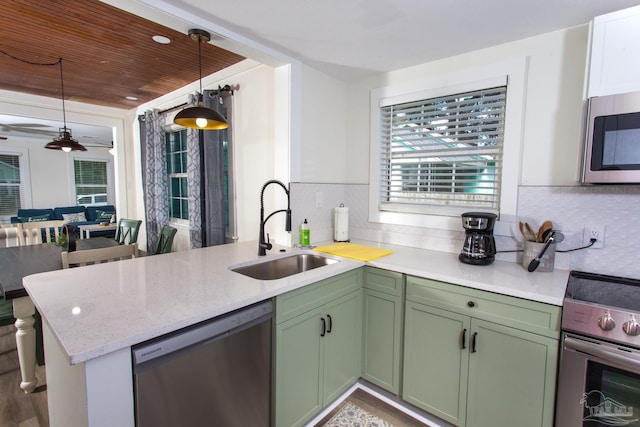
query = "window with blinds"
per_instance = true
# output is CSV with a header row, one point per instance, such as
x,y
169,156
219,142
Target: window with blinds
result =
x,y
91,182
443,155
11,186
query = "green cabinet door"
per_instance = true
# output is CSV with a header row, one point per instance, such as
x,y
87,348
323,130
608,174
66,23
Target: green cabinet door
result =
x,y
317,345
511,377
382,328
298,362
342,348
382,333
435,362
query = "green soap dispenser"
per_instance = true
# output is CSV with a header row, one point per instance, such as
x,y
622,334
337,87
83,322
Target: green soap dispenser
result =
x,y
305,234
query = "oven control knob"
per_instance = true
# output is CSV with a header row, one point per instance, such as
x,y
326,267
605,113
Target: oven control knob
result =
x,y
606,322
631,326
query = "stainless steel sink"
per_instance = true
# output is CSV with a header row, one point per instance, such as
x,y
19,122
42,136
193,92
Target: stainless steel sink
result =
x,y
284,267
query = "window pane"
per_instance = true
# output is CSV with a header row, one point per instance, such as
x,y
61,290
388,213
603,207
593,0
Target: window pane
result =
x,y
184,214
10,185
175,208
176,143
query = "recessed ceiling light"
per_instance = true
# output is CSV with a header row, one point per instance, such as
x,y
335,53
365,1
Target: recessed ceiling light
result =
x,y
131,98
161,39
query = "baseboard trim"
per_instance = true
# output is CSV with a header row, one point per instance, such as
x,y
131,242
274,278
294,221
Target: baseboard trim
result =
x,y
421,416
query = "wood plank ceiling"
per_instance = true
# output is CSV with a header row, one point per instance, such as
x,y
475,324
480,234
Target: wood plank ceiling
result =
x,y
107,54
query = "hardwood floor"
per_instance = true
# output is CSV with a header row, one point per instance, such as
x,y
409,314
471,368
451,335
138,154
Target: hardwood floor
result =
x,y
376,407
18,409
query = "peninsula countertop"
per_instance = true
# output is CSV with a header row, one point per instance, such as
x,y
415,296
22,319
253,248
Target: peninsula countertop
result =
x,y
95,310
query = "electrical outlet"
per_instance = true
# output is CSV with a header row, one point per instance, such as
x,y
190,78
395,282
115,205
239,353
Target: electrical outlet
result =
x,y
319,201
593,232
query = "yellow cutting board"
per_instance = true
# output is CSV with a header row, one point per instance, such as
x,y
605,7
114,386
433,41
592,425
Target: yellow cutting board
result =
x,y
354,251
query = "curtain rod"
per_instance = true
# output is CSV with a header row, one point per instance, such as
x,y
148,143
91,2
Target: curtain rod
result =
x,y
220,89
175,107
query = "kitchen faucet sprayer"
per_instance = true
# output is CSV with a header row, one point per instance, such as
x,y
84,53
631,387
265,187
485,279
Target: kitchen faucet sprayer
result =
x,y
264,244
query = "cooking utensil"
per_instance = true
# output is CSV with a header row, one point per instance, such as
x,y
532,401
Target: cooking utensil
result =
x,y
530,231
521,227
546,226
554,237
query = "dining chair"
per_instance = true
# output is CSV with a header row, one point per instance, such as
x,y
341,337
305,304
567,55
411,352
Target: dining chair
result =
x,y
6,312
34,233
98,256
165,239
127,231
9,235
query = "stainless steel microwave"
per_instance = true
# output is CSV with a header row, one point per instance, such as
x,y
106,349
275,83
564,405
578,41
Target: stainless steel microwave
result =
x,y
612,144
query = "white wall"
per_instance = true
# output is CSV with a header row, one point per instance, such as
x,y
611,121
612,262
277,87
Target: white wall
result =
x,y
254,141
553,108
52,171
323,155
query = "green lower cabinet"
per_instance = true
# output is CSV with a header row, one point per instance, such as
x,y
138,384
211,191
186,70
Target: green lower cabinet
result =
x,y
383,309
475,373
512,377
435,364
342,345
318,357
298,365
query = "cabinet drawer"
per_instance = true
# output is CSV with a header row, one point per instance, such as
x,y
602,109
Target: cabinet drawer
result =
x,y
301,300
536,317
385,281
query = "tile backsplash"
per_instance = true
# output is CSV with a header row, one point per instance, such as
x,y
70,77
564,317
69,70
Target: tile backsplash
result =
x,y
617,208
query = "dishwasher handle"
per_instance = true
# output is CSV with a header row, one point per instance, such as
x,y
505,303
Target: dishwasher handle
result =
x,y
204,333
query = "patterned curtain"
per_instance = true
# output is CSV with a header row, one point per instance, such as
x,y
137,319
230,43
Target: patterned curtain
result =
x,y
194,180
156,185
216,155
205,174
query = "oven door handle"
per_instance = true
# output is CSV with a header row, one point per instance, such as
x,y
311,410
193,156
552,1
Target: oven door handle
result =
x,y
604,353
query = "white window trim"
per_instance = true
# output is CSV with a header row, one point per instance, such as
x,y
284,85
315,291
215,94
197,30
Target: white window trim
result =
x,y
92,158
25,173
514,72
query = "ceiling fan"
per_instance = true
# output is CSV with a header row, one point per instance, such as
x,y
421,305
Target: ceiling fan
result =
x,y
87,135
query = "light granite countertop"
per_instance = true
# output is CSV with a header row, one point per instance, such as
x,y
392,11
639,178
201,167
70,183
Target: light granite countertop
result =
x,y
96,310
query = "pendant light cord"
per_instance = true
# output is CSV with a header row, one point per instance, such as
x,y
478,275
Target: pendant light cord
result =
x,y
64,114
200,61
46,64
30,62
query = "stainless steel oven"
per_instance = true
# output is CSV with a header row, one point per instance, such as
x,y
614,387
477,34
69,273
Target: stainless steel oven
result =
x,y
599,375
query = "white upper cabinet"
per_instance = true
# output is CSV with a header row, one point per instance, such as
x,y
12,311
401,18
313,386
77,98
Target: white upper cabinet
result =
x,y
614,65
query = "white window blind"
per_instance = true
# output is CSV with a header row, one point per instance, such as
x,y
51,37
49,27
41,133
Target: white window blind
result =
x,y
91,181
11,186
443,155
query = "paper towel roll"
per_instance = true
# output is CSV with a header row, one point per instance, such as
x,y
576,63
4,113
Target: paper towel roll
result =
x,y
341,224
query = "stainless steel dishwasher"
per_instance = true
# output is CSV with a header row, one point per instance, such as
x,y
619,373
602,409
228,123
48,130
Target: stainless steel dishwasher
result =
x,y
214,373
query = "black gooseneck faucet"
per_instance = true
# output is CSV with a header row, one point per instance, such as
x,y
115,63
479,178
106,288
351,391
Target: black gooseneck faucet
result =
x,y
263,244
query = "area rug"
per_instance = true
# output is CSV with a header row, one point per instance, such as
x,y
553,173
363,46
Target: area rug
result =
x,y
352,415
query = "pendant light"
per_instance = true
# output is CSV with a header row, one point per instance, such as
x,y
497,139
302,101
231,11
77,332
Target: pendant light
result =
x,y
200,117
64,142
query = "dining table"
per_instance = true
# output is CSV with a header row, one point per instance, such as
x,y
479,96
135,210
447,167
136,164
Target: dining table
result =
x,y
17,262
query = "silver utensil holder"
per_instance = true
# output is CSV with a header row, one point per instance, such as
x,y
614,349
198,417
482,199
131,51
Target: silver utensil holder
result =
x,y
532,249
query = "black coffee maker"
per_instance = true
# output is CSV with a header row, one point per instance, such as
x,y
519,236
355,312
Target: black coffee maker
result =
x,y
479,245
